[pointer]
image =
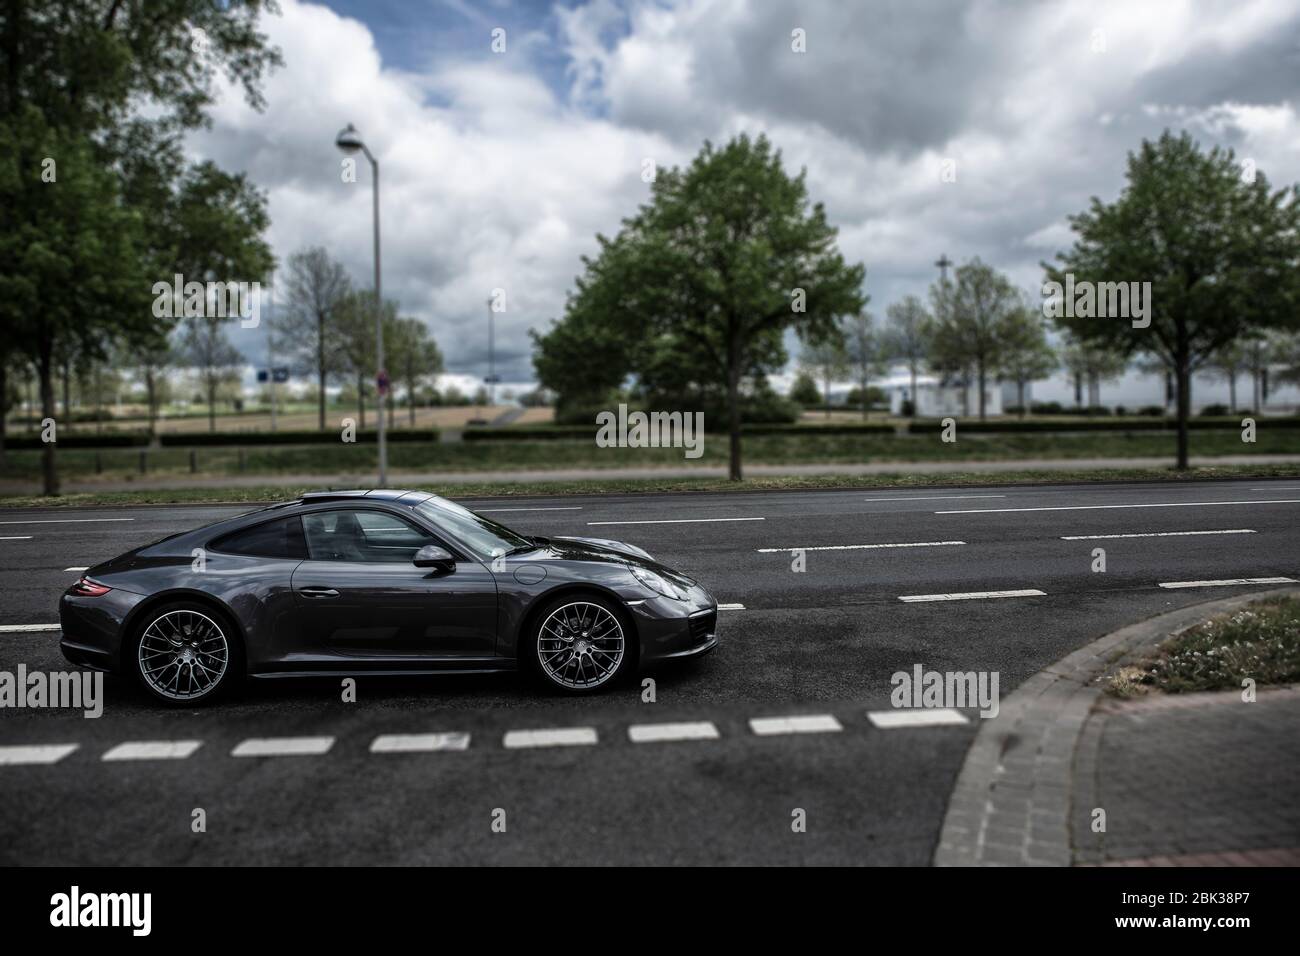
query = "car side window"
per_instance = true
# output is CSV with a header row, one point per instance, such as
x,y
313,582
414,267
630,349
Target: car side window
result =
x,y
356,535
282,538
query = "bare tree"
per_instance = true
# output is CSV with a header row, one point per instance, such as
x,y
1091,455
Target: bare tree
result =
x,y
316,288
908,336
865,349
1227,364
826,360
1090,365
208,349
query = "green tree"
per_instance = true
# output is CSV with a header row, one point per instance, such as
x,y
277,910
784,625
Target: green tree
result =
x,y
909,336
356,343
153,359
1221,254
1025,355
72,260
727,255
416,356
972,324
804,390
95,96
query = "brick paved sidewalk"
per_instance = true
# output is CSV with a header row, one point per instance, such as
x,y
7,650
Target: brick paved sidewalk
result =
x,y
1198,779
1190,779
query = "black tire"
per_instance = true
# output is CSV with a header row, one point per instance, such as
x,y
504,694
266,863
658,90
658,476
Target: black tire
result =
x,y
578,673
197,678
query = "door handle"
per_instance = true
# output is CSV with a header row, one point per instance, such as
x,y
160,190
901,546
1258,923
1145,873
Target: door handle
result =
x,y
318,592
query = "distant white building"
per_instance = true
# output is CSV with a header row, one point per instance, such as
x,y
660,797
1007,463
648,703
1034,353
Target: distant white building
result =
x,y
935,400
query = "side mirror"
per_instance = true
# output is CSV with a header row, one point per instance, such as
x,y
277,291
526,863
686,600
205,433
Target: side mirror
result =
x,y
432,556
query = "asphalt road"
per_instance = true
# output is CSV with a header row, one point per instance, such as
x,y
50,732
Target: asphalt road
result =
x,y
823,641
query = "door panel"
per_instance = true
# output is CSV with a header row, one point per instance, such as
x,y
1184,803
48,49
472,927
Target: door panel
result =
x,y
362,599
392,610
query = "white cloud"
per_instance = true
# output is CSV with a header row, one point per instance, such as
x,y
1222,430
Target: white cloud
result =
x,y
496,175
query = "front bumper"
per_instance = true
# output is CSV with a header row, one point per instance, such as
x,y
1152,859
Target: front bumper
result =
x,y
675,630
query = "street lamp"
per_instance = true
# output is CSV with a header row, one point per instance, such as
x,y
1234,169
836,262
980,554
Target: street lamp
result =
x,y
349,141
492,377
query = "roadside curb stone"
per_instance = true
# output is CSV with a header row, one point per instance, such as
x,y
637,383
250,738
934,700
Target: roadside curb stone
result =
x,y
1011,803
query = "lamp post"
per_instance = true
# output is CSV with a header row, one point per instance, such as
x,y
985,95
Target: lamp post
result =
x,y
350,142
492,363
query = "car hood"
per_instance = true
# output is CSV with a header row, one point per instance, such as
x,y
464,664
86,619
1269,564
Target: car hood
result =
x,y
608,551
620,549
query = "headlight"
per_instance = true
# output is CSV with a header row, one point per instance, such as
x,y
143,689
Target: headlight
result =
x,y
658,583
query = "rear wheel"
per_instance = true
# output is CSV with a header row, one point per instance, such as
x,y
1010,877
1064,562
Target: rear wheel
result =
x,y
581,643
185,654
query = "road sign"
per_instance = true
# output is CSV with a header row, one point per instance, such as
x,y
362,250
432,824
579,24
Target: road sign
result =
x,y
262,375
280,374
492,379
383,382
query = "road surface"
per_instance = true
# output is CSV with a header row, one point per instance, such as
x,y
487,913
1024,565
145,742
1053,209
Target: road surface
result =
x,y
819,643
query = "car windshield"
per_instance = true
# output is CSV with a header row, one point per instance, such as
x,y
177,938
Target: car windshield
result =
x,y
483,536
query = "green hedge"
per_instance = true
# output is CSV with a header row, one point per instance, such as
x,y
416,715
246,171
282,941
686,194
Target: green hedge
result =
x,y
313,437
588,432
111,440
839,428
531,433
932,426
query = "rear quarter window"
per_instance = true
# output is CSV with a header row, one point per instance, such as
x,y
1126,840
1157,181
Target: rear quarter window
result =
x,y
281,538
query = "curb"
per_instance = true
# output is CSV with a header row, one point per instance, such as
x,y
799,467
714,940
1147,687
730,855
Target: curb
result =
x,y
1011,802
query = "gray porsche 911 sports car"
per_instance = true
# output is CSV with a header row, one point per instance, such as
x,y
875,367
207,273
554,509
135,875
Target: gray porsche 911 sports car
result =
x,y
378,582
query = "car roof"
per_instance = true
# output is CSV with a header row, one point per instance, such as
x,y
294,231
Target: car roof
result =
x,y
406,497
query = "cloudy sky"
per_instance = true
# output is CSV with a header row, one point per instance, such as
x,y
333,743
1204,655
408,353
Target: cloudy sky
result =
x,y
498,168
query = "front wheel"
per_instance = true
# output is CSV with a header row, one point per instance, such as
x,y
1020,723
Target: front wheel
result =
x,y
185,654
580,644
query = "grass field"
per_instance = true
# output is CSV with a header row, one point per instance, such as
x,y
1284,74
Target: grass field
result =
x,y
300,417
347,459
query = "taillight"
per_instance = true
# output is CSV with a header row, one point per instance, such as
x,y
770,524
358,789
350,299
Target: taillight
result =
x,y
88,588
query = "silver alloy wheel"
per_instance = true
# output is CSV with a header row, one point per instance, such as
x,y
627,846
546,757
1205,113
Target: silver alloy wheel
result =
x,y
183,655
580,645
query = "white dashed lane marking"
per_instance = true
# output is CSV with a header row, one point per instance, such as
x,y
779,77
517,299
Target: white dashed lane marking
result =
x,y
87,568
567,508
65,520
933,497
418,743
283,747
1160,504
1226,582
34,754
1151,534
862,547
972,595
676,521
893,719
655,733
554,737
803,724
153,750
796,724
15,628
731,607
16,537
